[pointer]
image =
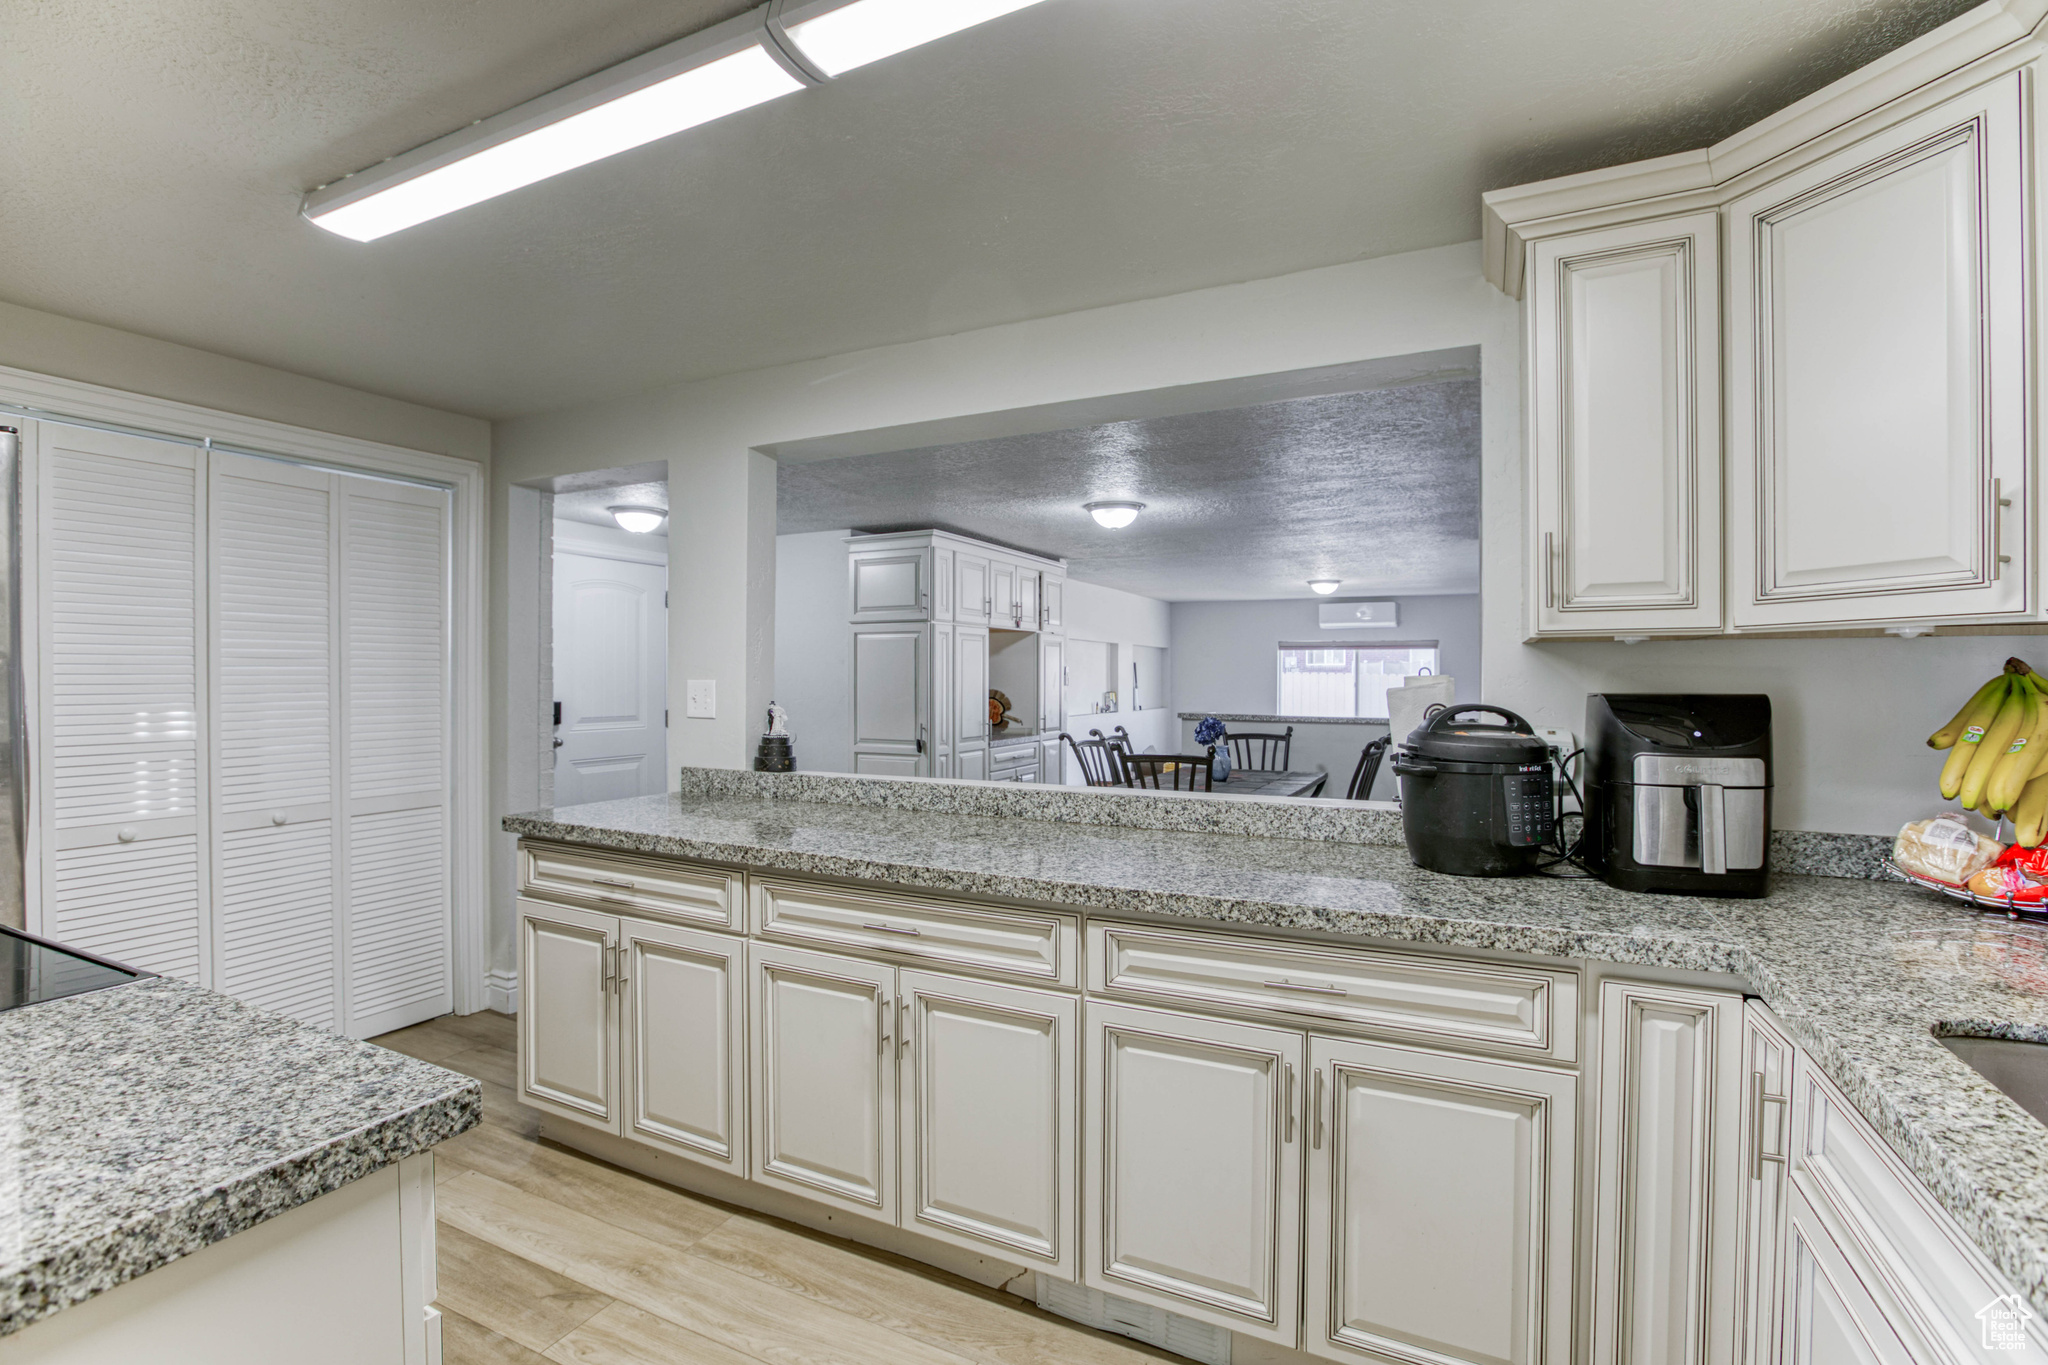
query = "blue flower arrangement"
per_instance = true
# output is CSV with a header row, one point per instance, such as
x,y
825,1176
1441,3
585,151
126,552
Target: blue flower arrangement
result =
x,y
1209,730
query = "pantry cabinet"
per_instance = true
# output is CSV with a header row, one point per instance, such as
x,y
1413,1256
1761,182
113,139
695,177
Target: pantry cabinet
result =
x,y
1440,1193
1194,1153
891,699
1862,263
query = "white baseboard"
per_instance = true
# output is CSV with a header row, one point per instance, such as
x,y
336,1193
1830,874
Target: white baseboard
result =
x,y
501,992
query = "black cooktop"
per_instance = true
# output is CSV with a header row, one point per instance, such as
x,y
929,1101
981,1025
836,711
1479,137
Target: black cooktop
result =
x,y
32,971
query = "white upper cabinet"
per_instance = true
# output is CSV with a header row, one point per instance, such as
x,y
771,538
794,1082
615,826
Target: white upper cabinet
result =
x,y
1052,601
970,589
1781,384
891,585
942,582
1877,324
1624,408
1002,594
1027,614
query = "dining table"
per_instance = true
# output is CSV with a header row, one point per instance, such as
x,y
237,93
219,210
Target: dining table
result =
x,y
1264,782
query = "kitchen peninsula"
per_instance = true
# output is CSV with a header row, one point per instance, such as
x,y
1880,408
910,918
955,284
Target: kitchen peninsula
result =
x,y
187,1178
1023,1023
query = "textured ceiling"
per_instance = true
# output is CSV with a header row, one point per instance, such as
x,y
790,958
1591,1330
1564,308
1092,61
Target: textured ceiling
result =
x,y
589,505
1378,489
1078,153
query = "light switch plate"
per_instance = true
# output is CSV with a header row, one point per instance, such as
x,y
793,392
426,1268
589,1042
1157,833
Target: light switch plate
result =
x,y
700,701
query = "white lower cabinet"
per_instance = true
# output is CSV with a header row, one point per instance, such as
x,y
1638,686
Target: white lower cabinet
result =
x,y
1194,1155
684,1041
568,1049
1667,1167
1765,1135
990,1094
824,1078
635,1027
1829,1316
1440,1196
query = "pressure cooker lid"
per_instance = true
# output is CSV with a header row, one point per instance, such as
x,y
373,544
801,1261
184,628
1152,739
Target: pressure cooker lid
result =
x,y
1452,734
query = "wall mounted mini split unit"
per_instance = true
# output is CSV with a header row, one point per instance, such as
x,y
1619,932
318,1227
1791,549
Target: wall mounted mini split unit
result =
x,y
1356,615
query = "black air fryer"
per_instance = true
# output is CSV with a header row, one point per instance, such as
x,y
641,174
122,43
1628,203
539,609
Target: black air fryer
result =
x,y
1678,792
1476,799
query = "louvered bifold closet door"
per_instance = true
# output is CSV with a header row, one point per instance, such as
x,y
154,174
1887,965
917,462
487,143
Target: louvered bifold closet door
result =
x,y
394,595
275,716
121,613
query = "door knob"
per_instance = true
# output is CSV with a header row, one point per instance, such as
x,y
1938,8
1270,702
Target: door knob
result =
x,y
277,817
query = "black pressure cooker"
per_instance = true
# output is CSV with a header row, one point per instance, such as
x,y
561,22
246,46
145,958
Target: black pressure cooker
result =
x,y
1476,800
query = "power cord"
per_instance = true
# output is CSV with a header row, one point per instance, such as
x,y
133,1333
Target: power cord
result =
x,y
1568,853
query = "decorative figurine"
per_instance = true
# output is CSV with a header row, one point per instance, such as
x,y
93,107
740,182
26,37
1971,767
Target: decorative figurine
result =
x,y
773,754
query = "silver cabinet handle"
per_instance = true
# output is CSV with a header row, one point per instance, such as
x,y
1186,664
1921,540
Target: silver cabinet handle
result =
x,y
893,929
1999,502
1316,1102
1549,569
1284,985
1287,1098
903,1028
610,899
1758,1098
882,1013
620,882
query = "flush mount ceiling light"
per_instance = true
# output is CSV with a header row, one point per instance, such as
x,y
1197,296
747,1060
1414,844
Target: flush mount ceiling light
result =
x,y
1114,515
637,518
773,50
1323,586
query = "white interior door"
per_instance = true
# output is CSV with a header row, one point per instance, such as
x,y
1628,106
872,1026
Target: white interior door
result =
x,y
1194,1160
991,1098
611,678
1440,1207
824,1077
121,612
684,1038
277,917
394,644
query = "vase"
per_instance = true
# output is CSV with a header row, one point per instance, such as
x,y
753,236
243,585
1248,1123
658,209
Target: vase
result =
x,y
1221,768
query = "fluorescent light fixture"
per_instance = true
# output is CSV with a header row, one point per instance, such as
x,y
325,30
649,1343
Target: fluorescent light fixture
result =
x,y
1323,586
1113,515
838,35
638,518
724,69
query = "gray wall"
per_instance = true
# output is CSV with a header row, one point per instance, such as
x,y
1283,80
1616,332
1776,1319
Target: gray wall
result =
x,y
813,648
1225,658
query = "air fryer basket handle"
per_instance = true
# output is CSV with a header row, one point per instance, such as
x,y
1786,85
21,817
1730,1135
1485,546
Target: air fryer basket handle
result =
x,y
1449,715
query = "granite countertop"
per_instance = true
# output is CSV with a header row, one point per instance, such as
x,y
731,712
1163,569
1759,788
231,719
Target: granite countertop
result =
x,y
1859,971
143,1122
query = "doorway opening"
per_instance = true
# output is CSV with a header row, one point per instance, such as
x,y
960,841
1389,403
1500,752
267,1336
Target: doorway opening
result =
x,y
608,615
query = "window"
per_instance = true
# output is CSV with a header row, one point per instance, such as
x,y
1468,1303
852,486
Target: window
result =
x,y
1346,679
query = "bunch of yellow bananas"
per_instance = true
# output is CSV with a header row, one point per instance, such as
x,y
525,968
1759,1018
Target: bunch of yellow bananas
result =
x,y
1998,751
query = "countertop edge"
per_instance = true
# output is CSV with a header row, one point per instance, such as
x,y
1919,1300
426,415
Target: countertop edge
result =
x,y
114,1255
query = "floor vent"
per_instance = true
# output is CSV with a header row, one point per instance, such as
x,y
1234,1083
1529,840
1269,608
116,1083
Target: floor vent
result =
x,y
1153,1326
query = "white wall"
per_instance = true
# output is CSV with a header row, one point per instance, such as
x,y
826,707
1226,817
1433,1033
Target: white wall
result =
x,y
813,648
1126,620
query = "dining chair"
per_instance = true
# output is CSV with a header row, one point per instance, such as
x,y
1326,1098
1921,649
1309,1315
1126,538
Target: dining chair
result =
x,y
1170,772
1254,750
1368,768
1097,759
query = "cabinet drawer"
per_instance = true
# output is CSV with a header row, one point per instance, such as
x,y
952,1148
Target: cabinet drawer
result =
x,y
658,886
1009,759
1015,943
1527,1010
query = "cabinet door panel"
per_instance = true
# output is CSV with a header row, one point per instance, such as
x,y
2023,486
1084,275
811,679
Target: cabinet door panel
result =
x,y
1670,1073
1195,1163
1829,1318
1440,1198
1027,599
1002,595
891,586
1625,431
942,583
824,1078
970,589
991,1093
567,1055
945,707
685,1041
1877,315
1765,1135
1053,602
889,689
970,686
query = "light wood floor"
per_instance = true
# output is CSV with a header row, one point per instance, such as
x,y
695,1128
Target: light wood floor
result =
x,y
550,1255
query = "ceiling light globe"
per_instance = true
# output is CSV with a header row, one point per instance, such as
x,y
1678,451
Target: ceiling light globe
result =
x,y
638,519
1323,587
1114,515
